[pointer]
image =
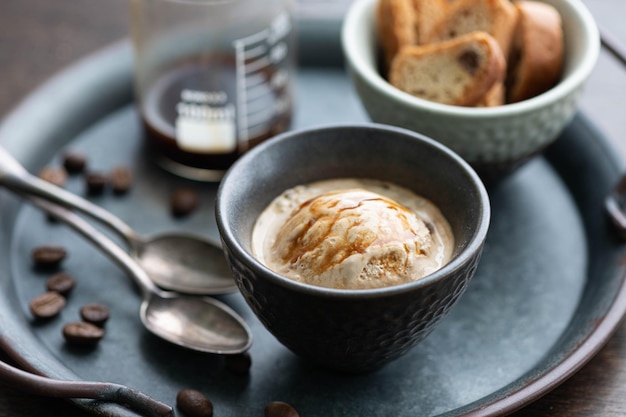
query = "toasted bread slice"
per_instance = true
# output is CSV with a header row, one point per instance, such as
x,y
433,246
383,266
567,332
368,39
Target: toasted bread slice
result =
x,y
496,17
494,97
537,59
457,72
395,23
428,13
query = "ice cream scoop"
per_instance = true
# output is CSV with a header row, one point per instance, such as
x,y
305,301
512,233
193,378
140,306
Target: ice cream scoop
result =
x,y
354,239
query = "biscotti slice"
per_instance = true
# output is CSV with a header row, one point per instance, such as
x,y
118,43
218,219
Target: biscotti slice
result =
x,y
494,97
428,13
537,59
395,23
496,17
457,72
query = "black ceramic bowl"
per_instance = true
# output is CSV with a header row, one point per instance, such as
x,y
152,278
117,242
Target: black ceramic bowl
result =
x,y
351,330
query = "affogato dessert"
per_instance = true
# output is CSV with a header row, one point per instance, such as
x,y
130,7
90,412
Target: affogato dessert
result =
x,y
352,234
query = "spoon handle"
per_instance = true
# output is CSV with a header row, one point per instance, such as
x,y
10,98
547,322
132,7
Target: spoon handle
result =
x,y
102,242
116,393
49,387
613,45
15,177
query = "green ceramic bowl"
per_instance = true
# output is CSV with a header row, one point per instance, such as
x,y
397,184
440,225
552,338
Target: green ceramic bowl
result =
x,y
493,140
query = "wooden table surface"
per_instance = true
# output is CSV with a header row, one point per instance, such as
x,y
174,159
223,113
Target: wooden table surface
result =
x,y
41,37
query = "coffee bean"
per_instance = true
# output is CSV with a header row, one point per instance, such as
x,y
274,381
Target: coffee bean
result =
x,y
62,283
121,180
193,403
183,201
48,256
82,333
94,313
280,409
54,175
74,162
95,182
239,364
47,305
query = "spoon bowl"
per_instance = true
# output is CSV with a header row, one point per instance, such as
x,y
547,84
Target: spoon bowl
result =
x,y
184,263
187,318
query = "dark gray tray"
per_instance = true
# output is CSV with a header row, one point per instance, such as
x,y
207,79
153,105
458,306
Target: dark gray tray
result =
x,y
548,293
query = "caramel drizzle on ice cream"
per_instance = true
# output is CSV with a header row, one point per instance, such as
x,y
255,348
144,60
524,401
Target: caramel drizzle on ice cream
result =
x,y
328,229
352,233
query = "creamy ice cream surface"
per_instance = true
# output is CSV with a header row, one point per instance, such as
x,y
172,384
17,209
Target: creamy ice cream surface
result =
x,y
352,234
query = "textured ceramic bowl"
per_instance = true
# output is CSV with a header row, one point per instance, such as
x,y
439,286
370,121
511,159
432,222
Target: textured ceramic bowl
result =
x,y
493,140
351,330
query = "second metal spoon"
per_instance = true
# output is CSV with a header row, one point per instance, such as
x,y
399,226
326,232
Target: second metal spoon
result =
x,y
196,322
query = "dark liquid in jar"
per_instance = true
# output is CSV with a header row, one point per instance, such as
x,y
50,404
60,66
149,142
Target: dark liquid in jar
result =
x,y
266,110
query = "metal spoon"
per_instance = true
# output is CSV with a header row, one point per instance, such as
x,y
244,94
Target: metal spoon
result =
x,y
196,322
176,261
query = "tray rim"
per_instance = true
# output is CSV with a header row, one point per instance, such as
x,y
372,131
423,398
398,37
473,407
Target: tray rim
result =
x,y
595,340
117,57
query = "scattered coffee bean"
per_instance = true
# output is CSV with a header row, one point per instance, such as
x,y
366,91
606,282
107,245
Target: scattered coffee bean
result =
x,y
183,201
74,162
239,364
48,256
54,175
63,283
280,409
96,183
121,180
94,313
82,333
47,305
193,403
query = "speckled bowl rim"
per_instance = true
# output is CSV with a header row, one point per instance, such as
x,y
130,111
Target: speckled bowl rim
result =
x,y
360,12
460,260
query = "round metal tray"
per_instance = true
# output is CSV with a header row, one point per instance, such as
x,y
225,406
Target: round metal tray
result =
x,y
548,293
